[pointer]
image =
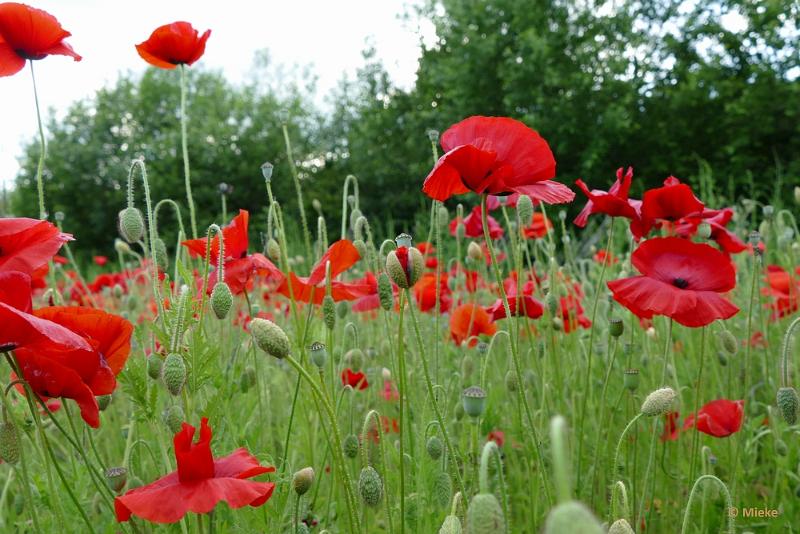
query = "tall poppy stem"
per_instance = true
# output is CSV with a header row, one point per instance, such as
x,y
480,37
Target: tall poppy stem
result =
x,y
401,386
698,386
42,149
299,190
514,353
185,150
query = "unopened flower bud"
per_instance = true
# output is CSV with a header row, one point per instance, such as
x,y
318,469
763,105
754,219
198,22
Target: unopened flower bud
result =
x,y
573,517
154,365
174,373
658,402
728,341
317,205
116,477
386,374
620,526
173,418
485,515
525,210
385,293
350,446
329,312
319,354
704,230
361,247
370,486
461,230
442,488
9,442
474,251
270,337
512,384
451,525
405,273
302,480
788,404
273,250
162,258
474,401
247,379
221,299
121,246
342,309
131,224
434,447
552,303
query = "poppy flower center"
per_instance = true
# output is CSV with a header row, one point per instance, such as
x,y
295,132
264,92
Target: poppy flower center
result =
x,y
680,283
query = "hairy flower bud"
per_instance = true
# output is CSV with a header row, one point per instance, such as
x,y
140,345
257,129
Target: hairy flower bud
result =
x,y
620,526
474,251
247,379
131,224
788,404
162,258
485,515
154,365
451,525
9,442
385,293
270,337
302,480
658,402
434,447
405,266
174,373
273,250
121,247
525,210
370,486
350,446
329,312
573,517
221,299
442,488
728,341
173,418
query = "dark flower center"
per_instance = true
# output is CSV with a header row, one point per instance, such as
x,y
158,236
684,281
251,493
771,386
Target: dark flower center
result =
x,y
7,348
680,283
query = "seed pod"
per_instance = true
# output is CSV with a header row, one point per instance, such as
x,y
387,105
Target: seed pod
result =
x,y
9,442
350,446
370,486
116,477
474,401
442,489
270,337
615,327
154,365
485,516
728,341
434,447
620,526
525,210
385,293
103,401
162,258
173,418
788,404
247,379
131,225
572,517
329,312
273,250
221,299
319,354
631,380
658,402
174,373
302,480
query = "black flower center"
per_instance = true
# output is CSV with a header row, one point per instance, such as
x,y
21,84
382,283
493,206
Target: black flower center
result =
x,y
680,283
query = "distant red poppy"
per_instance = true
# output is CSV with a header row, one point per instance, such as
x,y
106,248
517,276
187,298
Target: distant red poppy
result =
x,y
27,244
200,482
425,293
670,427
495,156
613,203
719,418
572,312
27,33
354,379
498,436
390,392
100,260
603,256
680,279
473,225
538,228
172,45
783,290
470,320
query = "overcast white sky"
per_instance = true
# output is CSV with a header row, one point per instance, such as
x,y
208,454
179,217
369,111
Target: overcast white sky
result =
x,y
330,34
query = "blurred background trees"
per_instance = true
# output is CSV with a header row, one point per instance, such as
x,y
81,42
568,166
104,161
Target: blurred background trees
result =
x,y
670,87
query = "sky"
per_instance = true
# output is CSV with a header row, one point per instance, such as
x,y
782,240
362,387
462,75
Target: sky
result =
x,y
328,35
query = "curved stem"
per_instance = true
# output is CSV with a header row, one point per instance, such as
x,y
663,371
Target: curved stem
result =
x,y
785,381
728,501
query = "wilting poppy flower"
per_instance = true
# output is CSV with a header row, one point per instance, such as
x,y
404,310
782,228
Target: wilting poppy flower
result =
x,y
495,156
670,427
354,379
680,279
200,482
473,225
470,320
425,293
172,45
27,244
538,228
719,418
29,33
613,203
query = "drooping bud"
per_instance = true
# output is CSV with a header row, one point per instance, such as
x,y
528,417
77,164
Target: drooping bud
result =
x,y
173,418
247,379
385,293
474,251
442,488
451,525
154,365
174,373
525,210
121,247
361,247
221,299
273,250
9,442
131,224
350,446
615,327
270,337
658,402
474,401
434,447
116,477
512,384
485,515
162,258
319,354
728,341
370,486
788,404
354,359
631,379
302,480
572,517
620,526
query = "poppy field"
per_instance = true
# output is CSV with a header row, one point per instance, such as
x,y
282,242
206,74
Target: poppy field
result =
x,y
511,367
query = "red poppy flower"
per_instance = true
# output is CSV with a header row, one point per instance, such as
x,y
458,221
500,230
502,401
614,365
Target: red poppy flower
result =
x,y
602,256
354,379
495,156
200,482
719,418
429,254
572,312
473,225
390,392
470,320
370,300
27,244
425,293
29,33
519,306
172,45
783,289
670,427
538,228
717,219
671,202
680,279
100,260
613,203
498,436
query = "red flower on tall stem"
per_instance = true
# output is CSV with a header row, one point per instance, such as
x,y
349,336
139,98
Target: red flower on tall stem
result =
x,y
495,156
671,203
27,33
539,226
613,203
718,220
354,379
470,320
425,293
200,482
680,279
473,225
28,244
719,418
172,45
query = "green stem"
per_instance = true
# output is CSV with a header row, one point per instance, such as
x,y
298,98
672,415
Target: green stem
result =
x,y
42,149
299,191
728,502
698,386
185,150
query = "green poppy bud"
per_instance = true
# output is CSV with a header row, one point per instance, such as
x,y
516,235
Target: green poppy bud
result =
x,y
620,526
370,486
162,257
788,403
174,373
658,402
329,312
451,525
173,418
385,293
572,517
525,210
270,337
302,480
350,446
434,447
9,442
154,365
221,299
248,378
273,250
442,489
485,515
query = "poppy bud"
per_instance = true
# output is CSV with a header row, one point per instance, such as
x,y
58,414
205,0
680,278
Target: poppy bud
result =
x,y
558,324
9,442
443,215
117,291
722,358
485,516
467,364
459,411
121,246
615,327
329,312
620,526
317,205
442,488
512,384
572,517
103,401
116,477
797,195
174,373
434,447
474,401
342,309
631,380
788,403
451,525
407,271
319,354
173,418
270,337
266,171
154,365
302,480
658,402
551,301
474,251
728,341
385,293
162,258
350,446
525,210
780,447
370,486
131,224
412,511
360,246
273,250
247,379
433,135
354,216
221,299
704,230
354,359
